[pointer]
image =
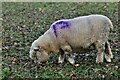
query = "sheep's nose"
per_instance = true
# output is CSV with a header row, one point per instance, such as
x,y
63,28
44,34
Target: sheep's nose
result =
x,y
34,56
36,49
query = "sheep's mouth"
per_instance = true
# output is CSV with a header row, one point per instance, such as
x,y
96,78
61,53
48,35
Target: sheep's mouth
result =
x,y
36,61
35,58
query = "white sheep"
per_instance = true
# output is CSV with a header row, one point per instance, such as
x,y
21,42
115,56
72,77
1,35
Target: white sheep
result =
x,y
70,35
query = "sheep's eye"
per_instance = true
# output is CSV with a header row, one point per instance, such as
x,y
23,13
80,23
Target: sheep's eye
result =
x,y
36,49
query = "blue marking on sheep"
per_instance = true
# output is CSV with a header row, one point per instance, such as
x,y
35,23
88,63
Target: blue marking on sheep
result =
x,y
55,30
64,24
61,25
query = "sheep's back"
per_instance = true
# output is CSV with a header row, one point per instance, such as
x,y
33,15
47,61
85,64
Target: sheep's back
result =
x,y
82,31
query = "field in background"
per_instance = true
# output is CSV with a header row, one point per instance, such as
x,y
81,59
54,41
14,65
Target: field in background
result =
x,y
25,22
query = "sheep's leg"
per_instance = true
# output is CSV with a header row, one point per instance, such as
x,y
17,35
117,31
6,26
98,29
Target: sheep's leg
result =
x,y
67,49
108,52
71,59
100,48
64,50
61,56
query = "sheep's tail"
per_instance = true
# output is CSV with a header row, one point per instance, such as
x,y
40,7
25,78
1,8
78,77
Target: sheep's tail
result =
x,y
110,25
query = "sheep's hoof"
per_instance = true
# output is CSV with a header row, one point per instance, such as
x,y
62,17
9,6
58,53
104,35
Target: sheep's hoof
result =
x,y
99,61
60,61
108,58
71,61
76,65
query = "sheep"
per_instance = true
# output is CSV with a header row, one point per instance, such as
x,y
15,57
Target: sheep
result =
x,y
71,35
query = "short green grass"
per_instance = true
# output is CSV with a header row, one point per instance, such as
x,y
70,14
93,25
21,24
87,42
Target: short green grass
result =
x,y
25,22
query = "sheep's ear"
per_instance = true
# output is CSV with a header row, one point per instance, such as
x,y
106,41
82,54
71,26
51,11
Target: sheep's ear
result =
x,y
36,49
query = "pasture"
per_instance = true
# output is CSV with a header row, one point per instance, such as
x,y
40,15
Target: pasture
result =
x,y
24,22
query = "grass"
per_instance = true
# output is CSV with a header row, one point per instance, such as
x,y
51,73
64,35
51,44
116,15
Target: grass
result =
x,y
25,22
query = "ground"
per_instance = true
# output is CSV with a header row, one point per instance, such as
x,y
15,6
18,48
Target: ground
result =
x,y
24,22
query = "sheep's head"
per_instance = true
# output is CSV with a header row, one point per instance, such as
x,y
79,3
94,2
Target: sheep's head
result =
x,y
38,53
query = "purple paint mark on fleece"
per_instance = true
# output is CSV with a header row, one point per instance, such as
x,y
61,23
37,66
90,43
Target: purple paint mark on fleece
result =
x,y
62,25
55,30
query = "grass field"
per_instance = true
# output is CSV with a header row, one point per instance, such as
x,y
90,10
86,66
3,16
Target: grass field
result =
x,y
25,22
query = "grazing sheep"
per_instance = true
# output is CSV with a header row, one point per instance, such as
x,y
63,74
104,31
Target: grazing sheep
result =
x,y
70,35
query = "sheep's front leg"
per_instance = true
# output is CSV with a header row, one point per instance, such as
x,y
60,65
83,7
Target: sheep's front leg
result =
x,y
100,48
67,49
63,50
71,59
61,56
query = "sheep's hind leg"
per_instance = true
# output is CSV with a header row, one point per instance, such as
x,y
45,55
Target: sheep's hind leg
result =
x,y
100,48
108,52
